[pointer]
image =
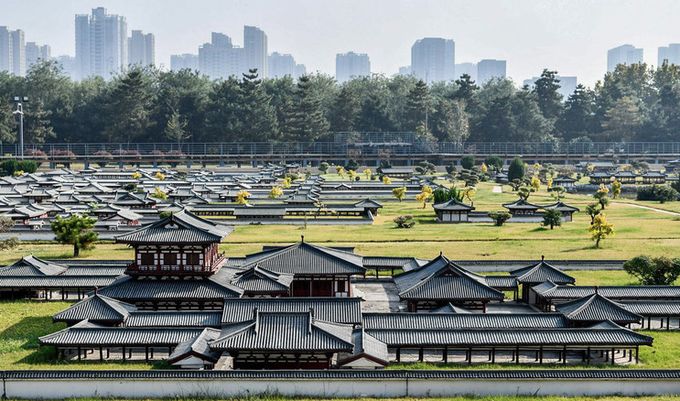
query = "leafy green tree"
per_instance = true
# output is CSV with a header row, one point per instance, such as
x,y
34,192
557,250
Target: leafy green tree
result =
x,y
622,120
653,271
467,162
374,115
405,221
75,230
130,106
592,210
499,218
578,117
223,113
516,170
323,167
546,91
345,110
494,163
7,124
450,121
552,218
466,88
175,130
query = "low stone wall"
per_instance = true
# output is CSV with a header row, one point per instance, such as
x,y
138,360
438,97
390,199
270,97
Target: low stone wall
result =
x,y
176,384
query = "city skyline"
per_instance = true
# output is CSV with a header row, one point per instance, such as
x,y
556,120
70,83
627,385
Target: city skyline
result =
x,y
389,47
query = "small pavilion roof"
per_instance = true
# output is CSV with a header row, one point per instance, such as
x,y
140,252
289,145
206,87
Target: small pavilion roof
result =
x,y
521,204
561,207
259,279
597,308
32,266
453,205
96,308
444,280
542,272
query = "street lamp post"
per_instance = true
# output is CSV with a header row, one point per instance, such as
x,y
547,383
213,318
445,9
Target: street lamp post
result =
x,y
20,100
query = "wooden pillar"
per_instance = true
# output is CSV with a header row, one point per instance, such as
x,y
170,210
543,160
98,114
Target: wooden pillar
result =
x,y
668,323
540,352
613,356
517,355
469,355
146,353
564,355
637,354
493,355
588,356
630,355
446,354
398,354
101,353
124,356
420,354
78,353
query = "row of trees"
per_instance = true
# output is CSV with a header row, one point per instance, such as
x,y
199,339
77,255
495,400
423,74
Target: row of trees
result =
x,y
632,103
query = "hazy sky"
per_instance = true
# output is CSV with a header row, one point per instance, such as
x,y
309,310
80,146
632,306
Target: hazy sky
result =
x,y
571,36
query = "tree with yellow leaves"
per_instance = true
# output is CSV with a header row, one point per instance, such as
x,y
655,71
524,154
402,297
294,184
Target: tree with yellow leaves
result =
x,y
616,188
159,176
484,169
286,183
399,193
600,229
469,193
386,180
549,181
535,183
158,193
136,175
242,197
276,192
425,195
602,196
352,175
368,173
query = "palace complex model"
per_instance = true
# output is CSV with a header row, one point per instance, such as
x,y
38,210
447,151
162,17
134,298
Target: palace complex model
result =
x,y
301,306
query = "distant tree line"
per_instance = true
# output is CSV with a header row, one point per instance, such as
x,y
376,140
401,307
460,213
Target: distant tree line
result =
x,y
633,103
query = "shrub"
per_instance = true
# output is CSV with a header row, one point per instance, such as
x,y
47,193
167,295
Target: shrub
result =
x,y
425,167
323,167
516,170
661,193
495,163
352,165
499,218
467,162
9,166
653,271
28,166
405,221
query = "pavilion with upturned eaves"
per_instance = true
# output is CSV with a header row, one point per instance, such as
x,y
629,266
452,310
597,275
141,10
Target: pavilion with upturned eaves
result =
x,y
181,244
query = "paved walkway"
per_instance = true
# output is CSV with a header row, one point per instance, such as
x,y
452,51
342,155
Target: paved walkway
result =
x,y
378,296
650,208
497,189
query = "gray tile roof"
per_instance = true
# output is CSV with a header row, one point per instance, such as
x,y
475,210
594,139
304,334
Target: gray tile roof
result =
x,y
520,204
561,207
453,205
303,258
450,308
597,308
96,308
257,279
174,319
32,266
286,332
441,279
617,293
540,273
85,333
62,281
653,308
182,226
433,321
599,336
128,288
197,346
341,310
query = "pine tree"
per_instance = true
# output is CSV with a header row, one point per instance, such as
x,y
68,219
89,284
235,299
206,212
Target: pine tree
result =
x,y
257,113
418,107
547,95
308,122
